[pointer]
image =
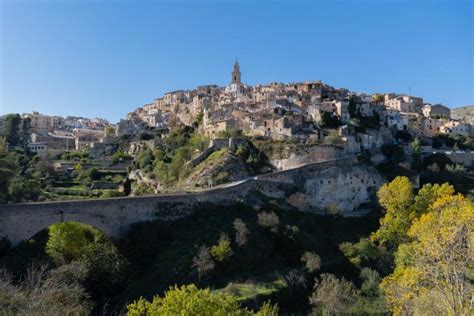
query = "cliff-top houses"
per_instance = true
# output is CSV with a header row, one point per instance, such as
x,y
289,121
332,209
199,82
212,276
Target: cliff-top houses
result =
x,y
292,110
299,110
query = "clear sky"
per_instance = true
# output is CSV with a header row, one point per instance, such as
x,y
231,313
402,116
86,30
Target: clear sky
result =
x,y
103,58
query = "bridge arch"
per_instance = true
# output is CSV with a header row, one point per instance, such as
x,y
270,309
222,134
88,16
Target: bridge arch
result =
x,y
114,216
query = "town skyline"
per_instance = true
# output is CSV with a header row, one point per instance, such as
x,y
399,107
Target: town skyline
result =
x,y
81,59
230,81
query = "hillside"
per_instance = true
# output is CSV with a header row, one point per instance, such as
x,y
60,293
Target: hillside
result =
x,y
465,113
160,254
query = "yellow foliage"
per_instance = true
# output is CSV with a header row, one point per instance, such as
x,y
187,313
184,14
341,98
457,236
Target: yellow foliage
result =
x,y
402,207
436,279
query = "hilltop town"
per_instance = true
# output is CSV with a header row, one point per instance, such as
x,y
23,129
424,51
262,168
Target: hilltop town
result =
x,y
212,135
305,111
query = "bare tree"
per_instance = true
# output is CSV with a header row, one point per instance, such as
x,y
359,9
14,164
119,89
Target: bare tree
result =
x,y
311,261
269,220
332,296
241,232
203,262
44,292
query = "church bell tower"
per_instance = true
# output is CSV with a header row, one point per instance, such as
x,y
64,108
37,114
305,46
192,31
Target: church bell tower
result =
x,y
236,73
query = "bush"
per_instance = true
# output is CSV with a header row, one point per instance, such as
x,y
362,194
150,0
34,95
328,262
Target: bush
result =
x,y
329,120
68,241
269,220
144,158
394,153
223,250
76,242
334,139
57,292
332,296
21,190
311,261
241,232
189,300
111,193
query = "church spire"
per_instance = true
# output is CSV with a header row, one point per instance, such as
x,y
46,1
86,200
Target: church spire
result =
x,y
236,73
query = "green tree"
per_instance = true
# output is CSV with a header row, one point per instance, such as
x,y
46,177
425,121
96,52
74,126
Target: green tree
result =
x,y
329,119
76,242
106,268
189,300
367,253
402,207
416,149
396,198
12,129
222,251
21,190
68,241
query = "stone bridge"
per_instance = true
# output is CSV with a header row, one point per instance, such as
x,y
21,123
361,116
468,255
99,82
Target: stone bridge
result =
x,y
309,188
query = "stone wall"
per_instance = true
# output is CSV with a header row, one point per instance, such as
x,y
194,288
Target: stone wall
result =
x,y
314,187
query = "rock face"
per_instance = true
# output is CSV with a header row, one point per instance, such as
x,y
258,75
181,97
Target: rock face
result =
x,y
343,184
227,167
300,156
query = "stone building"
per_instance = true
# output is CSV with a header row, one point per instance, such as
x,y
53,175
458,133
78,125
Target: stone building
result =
x,y
44,123
404,103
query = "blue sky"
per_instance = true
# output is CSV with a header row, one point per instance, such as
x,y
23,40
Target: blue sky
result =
x,y
105,58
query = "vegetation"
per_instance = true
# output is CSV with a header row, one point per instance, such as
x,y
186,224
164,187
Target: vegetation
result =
x,y
189,300
418,259
329,120
222,251
433,269
45,292
422,247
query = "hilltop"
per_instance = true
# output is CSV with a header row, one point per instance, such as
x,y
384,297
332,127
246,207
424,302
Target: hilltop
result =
x,y
465,113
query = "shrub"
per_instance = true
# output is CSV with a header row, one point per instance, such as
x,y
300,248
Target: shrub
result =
x,y
269,220
241,232
370,282
189,300
334,139
57,292
333,209
68,241
295,280
76,242
111,193
332,296
311,261
329,120
223,250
